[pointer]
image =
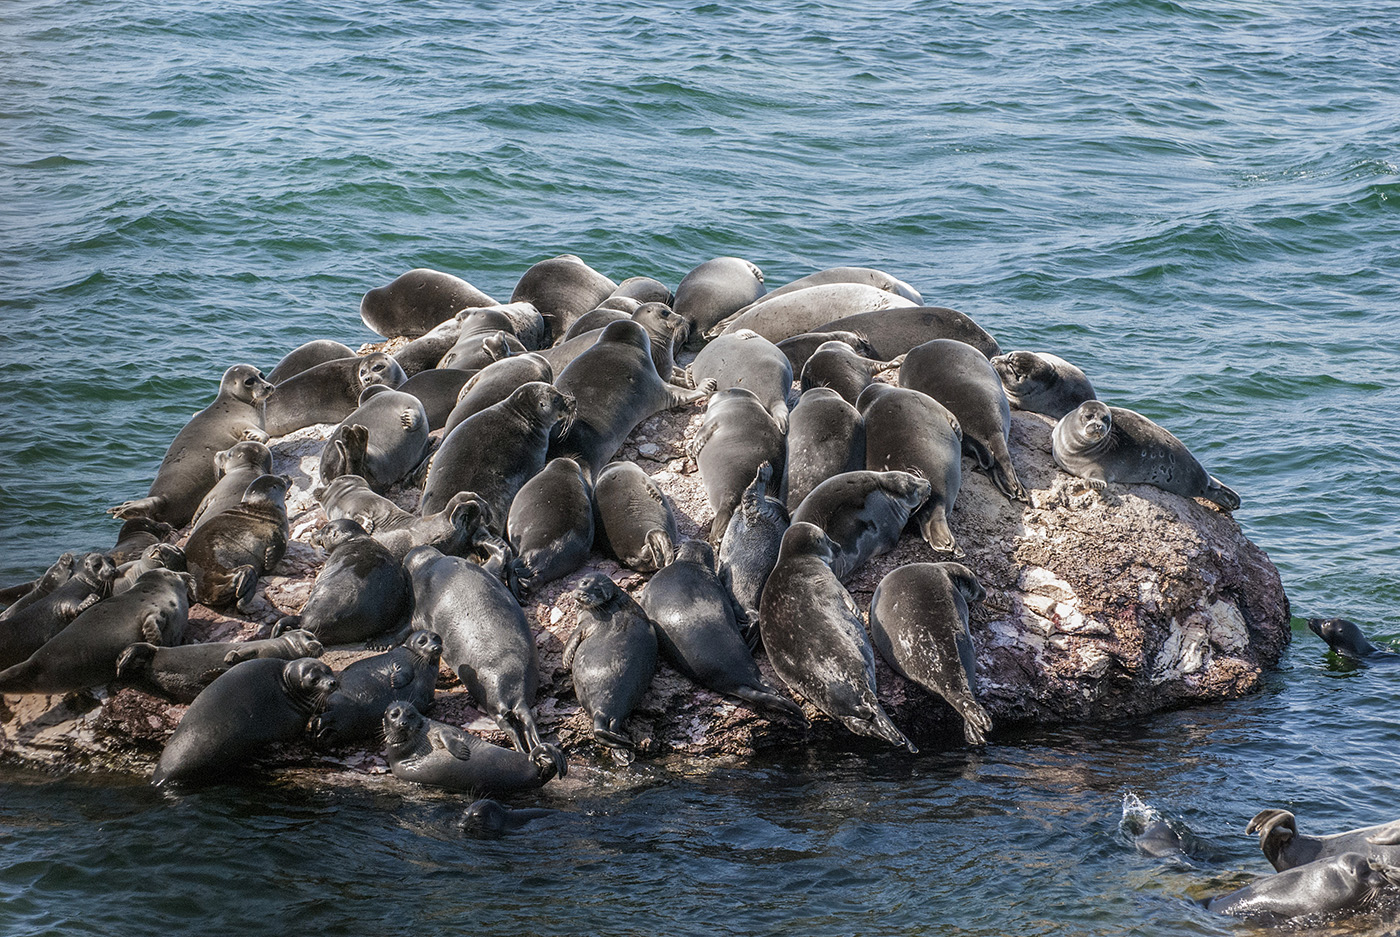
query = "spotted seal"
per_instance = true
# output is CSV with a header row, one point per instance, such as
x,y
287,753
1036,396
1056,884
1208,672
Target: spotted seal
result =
x,y
863,513
327,393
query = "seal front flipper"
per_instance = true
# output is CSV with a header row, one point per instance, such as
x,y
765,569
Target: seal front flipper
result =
x,y
149,507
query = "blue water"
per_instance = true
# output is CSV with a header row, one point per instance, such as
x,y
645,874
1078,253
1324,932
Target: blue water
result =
x,y
1197,202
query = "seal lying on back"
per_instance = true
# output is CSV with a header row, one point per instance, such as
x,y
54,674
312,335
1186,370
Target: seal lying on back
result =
x,y
738,436
230,552
180,673
327,393
1347,639
1346,883
748,360
750,548
1286,848
187,472
863,513
361,592
384,440
246,709
550,526
1042,383
909,431
715,290
612,654
633,521
426,751
813,634
406,673
918,621
24,632
418,300
1104,444
562,288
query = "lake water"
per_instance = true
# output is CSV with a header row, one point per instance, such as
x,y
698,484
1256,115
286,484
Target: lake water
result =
x,y
1197,202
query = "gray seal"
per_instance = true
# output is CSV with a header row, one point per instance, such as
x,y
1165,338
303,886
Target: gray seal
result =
x,y
835,365
643,290
455,530
918,622
1104,445
665,330
418,300
826,437
29,627
426,751
180,673
1042,383
697,631
863,513
612,655
371,685
801,347
1347,639
868,276
750,548
550,526
187,472
383,441
495,383
308,356
27,593
634,522
1341,884
737,436
488,819
962,379
814,637
485,335
437,389
229,553
361,592
562,288
244,711
84,654
809,310
327,393
136,534
890,333
594,320
1286,848
237,467
157,556
908,431
425,351
748,360
715,290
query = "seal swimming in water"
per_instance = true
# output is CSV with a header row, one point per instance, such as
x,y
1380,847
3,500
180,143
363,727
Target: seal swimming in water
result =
x,y
187,472
229,553
369,686
737,436
361,592
1347,639
327,393
426,751
1104,444
863,513
612,655
1042,383
488,819
1346,883
180,673
815,639
633,520
416,301
1286,848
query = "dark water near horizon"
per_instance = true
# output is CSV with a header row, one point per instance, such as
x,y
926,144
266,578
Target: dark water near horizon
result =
x,y
1198,203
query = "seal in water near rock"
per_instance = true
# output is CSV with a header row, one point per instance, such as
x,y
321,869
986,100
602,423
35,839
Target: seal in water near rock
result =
x,y
715,290
813,634
495,383
229,553
562,288
416,301
187,472
327,393
908,431
808,310
962,379
1042,383
1346,883
308,356
426,751
437,389
31,626
237,467
84,654
383,441
180,673
835,365
550,526
748,360
1286,848
737,436
1347,639
496,451
633,522
617,387
612,654
488,819
371,685
750,548
697,631
27,593
918,622
246,709
1104,444
360,593
825,438
157,556
863,513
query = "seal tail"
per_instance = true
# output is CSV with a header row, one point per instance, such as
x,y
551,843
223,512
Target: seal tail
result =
x,y
1221,495
879,726
766,698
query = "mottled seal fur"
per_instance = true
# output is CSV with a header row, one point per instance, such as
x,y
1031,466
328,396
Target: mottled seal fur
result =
x,y
612,655
863,513
418,300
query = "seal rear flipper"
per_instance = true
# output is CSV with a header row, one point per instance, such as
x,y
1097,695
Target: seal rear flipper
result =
x,y
767,699
136,658
661,548
1004,477
933,524
149,507
1221,495
611,732
550,761
977,722
878,726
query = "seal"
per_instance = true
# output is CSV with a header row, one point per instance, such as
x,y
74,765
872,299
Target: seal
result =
x,y
488,819
612,654
889,333
236,467
327,393
697,631
360,593
617,387
737,436
808,310
868,276
1347,883
1104,444
1347,639
157,556
425,351
1286,848
1042,383
437,389
307,356
918,622
495,383
715,290
863,513
748,360
454,530
187,472
426,751
180,673
485,335
835,365
383,441
595,319
643,290
246,709
665,330
84,654
908,431
27,593
491,650
136,535
562,288
633,522
496,451
29,627
229,553
416,301
799,348
750,548
813,635
550,526
962,379
826,437
371,685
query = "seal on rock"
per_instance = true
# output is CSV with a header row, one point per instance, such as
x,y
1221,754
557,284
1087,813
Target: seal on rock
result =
x,y
308,356
1347,639
229,553
236,467
550,526
426,751
1042,383
327,393
835,365
737,436
748,360
157,556
1346,883
27,630
715,290
562,288
180,673
136,535
371,685
643,290
383,441
361,592
801,347
437,389
665,330
495,383
826,437
750,547
809,310
868,276
633,521
863,513
416,301
454,530
1286,848
612,655
889,333
27,593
